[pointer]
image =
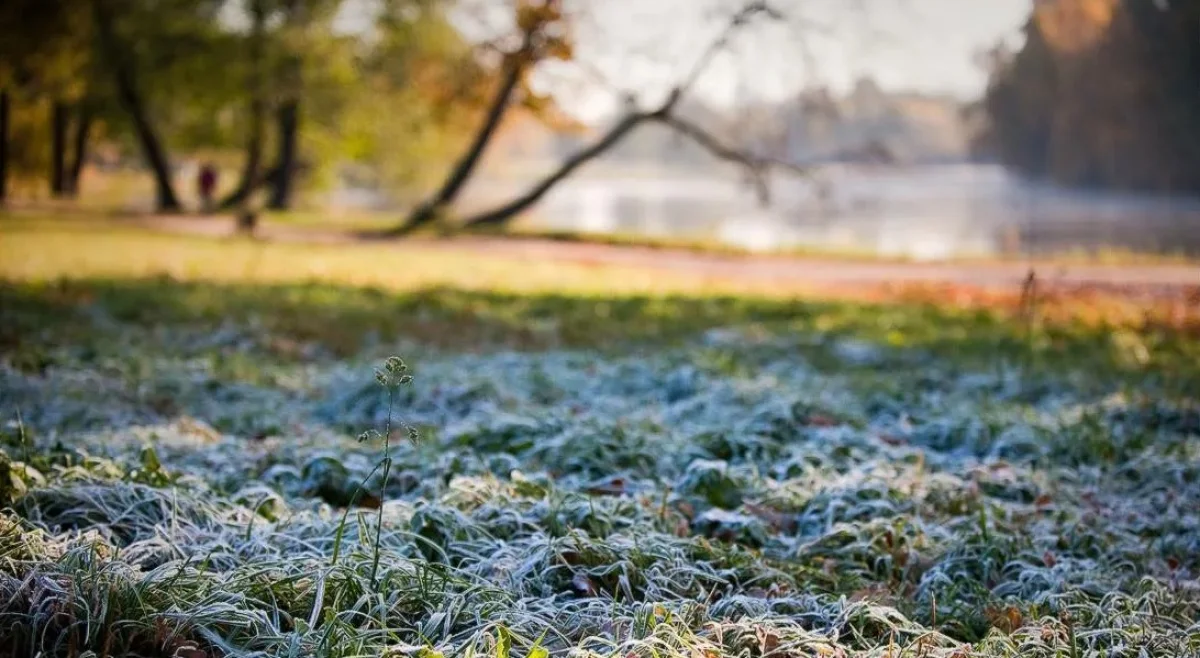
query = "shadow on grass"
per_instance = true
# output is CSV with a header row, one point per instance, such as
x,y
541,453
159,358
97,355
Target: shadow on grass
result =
x,y
342,320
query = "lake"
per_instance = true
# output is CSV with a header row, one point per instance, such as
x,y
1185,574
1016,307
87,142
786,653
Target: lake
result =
x,y
928,212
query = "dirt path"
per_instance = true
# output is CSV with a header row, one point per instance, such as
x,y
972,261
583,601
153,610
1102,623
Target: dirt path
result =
x,y
1159,280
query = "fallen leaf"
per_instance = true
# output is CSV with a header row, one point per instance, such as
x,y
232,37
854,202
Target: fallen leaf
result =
x,y
1006,620
370,501
768,641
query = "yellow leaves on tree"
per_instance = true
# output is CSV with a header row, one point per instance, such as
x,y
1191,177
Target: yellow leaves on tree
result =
x,y
1073,25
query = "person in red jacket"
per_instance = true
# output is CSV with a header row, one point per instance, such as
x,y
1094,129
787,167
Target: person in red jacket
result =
x,y
206,182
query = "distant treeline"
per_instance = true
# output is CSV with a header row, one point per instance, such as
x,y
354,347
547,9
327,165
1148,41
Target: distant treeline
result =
x,y
1104,93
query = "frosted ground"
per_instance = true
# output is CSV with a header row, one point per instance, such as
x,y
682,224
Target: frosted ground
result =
x,y
185,490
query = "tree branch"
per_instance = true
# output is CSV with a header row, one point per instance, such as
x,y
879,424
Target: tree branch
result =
x,y
758,167
535,194
633,118
739,19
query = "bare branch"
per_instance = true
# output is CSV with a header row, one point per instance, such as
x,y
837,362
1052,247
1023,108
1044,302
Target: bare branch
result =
x,y
664,113
631,119
739,20
757,167
615,134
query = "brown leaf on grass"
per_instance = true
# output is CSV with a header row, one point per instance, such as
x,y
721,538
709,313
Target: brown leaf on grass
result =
x,y
369,501
768,642
1043,501
1006,620
1048,559
893,440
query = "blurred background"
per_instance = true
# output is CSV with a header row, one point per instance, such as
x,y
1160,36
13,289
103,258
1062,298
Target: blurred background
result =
x,y
925,129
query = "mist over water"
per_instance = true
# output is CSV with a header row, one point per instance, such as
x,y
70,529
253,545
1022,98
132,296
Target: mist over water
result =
x,y
928,212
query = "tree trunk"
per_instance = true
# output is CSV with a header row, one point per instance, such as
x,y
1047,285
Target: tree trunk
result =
x,y
288,119
59,123
131,101
431,208
258,111
83,127
250,178
516,206
3,145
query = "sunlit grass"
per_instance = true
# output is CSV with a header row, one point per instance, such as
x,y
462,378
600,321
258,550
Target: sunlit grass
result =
x,y
33,252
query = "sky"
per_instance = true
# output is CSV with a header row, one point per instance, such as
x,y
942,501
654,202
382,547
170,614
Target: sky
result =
x,y
644,47
915,45
927,45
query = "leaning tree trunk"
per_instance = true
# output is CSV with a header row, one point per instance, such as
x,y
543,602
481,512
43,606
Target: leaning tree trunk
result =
x,y
250,178
429,210
288,119
757,168
131,101
59,123
3,145
83,127
516,206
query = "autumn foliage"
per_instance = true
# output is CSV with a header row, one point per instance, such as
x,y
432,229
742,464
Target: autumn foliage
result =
x,y
1104,93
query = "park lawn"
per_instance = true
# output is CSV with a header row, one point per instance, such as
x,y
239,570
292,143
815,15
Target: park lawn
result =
x,y
607,462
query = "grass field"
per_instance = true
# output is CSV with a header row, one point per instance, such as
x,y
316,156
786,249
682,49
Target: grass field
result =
x,y
199,459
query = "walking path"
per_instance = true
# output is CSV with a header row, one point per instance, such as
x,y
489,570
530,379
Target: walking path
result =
x,y
1157,280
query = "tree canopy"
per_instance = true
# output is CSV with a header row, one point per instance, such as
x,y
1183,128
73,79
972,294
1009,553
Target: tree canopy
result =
x,y
1104,93
165,80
